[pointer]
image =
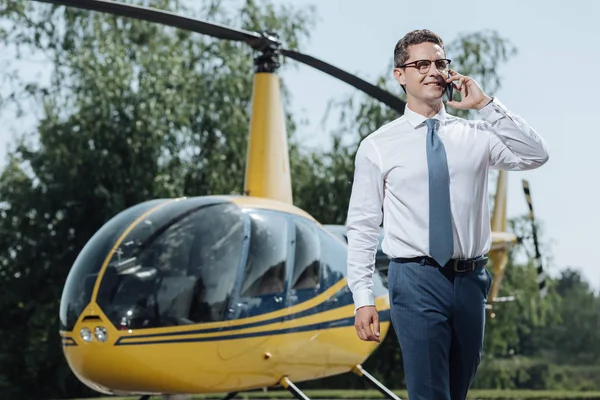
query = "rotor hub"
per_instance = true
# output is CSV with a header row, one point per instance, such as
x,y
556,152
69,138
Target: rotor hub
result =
x,y
269,51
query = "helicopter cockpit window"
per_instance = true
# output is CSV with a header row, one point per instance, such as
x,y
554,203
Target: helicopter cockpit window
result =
x,y
333,258
180,271
268,252
307,256
82,277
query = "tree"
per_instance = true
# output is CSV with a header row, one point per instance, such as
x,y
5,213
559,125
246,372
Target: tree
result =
x,y
134,111
579,307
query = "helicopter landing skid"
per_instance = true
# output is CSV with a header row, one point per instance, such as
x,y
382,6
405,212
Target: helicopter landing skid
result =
x,y
289,385
359,370
230,396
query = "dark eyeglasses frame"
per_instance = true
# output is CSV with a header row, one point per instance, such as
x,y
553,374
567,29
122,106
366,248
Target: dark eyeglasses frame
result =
x,y
429,62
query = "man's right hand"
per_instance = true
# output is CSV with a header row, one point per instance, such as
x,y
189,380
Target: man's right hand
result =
x,y
365,316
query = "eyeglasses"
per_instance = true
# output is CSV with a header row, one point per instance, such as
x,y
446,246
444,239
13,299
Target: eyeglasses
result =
x,y
423,66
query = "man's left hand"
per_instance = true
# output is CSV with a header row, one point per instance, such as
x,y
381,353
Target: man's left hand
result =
x,y
473,97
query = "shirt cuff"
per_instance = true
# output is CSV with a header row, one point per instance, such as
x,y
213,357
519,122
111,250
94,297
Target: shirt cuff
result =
x,y
493,111
363,298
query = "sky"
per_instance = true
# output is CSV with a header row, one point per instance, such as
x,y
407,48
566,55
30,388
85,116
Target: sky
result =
x,y
552,82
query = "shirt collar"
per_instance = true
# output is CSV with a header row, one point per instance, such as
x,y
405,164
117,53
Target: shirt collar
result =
x,y
417,119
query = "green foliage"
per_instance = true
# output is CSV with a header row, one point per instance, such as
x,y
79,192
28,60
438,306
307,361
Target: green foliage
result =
x,y
134,111
536,374
580,308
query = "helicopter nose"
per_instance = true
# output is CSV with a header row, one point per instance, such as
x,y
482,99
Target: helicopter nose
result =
x,y
117,362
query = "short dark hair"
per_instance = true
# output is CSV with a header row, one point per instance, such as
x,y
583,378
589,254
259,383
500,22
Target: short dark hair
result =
x,y
414,37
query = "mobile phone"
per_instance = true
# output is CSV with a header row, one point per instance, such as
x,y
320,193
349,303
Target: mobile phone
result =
x,y
449,89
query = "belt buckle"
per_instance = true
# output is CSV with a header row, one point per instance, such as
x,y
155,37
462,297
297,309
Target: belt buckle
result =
x,y
455,265
468,267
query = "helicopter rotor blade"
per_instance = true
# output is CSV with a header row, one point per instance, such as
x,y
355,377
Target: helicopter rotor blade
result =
x,y
376,92
256,40
163,17
541,278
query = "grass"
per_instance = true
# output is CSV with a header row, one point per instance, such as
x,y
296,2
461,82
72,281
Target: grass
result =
x,y
484,394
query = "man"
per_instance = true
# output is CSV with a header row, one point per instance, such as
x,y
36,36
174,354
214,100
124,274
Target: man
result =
x,y
424,175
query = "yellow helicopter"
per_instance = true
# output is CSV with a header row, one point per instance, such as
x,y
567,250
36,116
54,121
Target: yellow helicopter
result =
x,y
222,294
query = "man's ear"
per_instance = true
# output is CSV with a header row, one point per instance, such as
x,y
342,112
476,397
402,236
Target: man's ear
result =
x,y
399,75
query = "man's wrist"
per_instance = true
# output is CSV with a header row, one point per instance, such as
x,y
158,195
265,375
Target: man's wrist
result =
x,y
363,298
365,306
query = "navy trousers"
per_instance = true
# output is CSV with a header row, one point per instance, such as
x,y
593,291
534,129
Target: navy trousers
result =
x,y
439,317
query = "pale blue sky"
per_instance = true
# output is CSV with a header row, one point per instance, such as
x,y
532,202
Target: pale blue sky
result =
x,y
552,82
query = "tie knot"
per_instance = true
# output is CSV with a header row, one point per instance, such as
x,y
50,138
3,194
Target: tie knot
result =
x,y
431,123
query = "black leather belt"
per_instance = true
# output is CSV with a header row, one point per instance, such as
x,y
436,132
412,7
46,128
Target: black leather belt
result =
x,y
457,265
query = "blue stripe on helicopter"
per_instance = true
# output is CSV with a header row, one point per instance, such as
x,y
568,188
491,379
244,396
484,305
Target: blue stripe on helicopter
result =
x,y
384,316
343,299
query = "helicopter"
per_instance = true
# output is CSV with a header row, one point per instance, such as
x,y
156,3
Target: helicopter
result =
x,y
221,294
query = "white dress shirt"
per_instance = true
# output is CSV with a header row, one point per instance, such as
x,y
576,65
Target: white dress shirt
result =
x,y
391,186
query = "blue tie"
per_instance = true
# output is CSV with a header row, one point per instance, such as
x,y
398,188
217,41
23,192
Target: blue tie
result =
x,y
441,242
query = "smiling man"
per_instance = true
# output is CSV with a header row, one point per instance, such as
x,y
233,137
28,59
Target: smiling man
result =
x,y
425,176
